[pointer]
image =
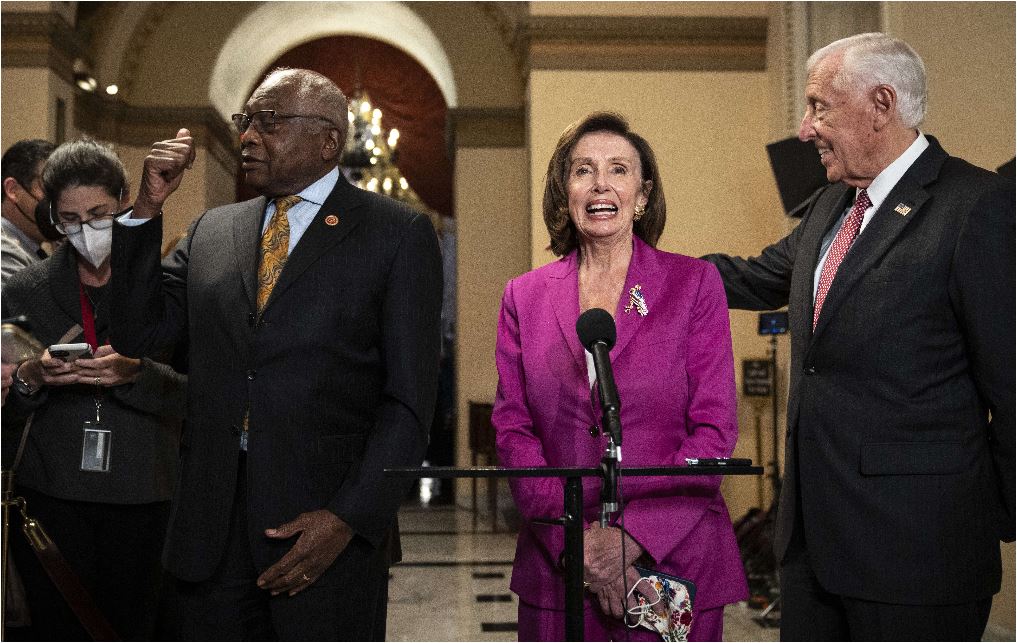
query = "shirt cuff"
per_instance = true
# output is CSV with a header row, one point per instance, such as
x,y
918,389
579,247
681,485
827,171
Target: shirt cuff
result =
x,y
125,219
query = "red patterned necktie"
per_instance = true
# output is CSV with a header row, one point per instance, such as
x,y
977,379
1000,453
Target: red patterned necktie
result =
x,y
839,249
275,246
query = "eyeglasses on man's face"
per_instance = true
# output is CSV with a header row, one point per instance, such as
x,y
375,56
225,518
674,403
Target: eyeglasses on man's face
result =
x,y
267,120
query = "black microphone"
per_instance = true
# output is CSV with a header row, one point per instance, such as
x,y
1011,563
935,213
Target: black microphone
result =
x,y
597,333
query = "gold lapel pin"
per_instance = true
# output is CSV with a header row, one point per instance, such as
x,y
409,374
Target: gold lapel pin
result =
x,y
902,209
331,220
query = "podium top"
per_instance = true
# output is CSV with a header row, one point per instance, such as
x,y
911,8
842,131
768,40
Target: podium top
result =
x,y
567,472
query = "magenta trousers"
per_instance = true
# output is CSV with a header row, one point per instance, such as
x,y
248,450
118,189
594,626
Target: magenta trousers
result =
x,y
539,624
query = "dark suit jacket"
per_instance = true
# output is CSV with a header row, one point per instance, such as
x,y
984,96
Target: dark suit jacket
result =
x,y
339,374
905,484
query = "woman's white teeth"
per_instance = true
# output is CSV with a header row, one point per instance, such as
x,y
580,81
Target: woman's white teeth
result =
x,y
598,208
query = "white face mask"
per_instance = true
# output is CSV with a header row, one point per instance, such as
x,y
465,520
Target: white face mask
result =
x,y
92,245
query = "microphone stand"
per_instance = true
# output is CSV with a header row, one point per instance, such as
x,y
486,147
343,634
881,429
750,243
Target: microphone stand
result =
x,y
609,481
611,422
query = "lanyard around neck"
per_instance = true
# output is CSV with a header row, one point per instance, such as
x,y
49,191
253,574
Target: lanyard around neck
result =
x,y
87,318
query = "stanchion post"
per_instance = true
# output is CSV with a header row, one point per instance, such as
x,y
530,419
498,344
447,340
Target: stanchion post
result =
x,y
8,502
574,625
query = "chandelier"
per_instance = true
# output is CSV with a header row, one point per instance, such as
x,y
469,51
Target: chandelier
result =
x,y
369,159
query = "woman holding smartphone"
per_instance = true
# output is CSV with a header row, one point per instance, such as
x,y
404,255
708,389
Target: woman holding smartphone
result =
x,y
99,459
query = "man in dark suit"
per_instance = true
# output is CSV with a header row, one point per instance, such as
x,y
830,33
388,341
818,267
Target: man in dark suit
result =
x,y
313,337
899,282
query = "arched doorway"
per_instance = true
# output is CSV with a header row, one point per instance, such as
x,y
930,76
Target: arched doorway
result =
x,y
277,27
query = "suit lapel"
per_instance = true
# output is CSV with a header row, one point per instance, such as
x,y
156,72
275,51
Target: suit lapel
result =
x,y
562,284
563,287
815,247
246,235
886,226
339,214
63,282
644,271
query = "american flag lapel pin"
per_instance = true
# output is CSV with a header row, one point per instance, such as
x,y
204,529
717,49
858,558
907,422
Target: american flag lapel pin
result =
x,y
637,301
902,209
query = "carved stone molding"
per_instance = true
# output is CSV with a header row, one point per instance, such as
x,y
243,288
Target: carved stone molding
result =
x,y
485,127
509,20
33,39
124,124
636,42
804,28
796,44
153,19
647,43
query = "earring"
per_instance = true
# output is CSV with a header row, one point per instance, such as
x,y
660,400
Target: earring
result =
x,y
640,210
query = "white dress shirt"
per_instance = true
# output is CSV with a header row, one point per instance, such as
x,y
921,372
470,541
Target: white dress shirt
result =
x,y
878,190
299,216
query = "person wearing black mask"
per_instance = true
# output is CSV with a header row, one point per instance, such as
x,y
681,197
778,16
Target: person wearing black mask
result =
x,y
22,235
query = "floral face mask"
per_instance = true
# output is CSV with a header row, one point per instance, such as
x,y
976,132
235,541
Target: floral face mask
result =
x,y
663,604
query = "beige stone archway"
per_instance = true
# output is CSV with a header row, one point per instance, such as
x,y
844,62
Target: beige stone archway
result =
x,y
276,27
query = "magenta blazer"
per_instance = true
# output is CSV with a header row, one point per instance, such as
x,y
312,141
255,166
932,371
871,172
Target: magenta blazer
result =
x,y
675,376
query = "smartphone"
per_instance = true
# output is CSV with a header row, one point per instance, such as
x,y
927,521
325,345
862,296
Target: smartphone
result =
x,y
70,352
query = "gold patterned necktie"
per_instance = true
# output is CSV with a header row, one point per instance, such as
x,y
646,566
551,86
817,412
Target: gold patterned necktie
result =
x,y
275,245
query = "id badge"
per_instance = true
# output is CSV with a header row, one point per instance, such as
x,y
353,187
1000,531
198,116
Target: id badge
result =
x,y
95,447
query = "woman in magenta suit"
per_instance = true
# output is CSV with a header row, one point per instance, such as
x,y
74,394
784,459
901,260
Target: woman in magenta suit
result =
x,y
604,209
